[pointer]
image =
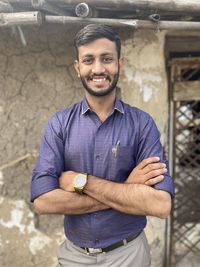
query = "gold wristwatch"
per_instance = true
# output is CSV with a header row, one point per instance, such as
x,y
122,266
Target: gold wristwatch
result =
x,y
80,181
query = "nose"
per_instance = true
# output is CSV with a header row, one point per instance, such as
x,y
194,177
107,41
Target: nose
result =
x,y
98,67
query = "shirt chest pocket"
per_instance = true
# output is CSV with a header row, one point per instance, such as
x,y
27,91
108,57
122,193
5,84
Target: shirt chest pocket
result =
x,y
122,162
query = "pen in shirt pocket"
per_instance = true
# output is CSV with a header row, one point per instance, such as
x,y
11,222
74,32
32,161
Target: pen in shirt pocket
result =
x,y
116,148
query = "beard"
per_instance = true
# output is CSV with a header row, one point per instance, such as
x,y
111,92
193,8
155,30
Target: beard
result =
x,y
102,92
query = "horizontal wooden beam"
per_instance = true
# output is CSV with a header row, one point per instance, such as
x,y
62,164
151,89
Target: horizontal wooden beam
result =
x,y
164,5
183,43
20,18
32,18
135,24
184,91
191,6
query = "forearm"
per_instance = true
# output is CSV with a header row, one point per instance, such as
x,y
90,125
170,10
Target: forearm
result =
x,y
135,199
136,196
59,201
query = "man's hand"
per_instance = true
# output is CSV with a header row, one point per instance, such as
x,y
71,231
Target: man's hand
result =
x,y
66,181
149,172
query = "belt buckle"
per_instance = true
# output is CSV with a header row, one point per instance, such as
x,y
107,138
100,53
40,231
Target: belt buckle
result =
x,y
94,250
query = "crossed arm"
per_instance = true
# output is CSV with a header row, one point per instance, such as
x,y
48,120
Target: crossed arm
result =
x,y
135,196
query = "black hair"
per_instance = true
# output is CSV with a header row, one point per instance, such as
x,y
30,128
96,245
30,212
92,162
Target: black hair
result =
x,y
93,32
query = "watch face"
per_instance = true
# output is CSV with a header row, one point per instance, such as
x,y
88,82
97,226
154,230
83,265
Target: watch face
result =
x,y
80,180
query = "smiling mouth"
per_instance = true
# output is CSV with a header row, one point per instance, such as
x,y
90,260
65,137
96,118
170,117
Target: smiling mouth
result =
x,y
99,79
99,82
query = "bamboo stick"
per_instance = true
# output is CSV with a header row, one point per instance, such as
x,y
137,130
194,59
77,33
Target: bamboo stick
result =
x,y
20,18
136,24
35,18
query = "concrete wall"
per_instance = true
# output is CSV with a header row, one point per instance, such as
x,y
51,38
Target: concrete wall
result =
x,y
35,81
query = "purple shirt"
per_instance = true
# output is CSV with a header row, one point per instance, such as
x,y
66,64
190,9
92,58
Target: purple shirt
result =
x,y
75,139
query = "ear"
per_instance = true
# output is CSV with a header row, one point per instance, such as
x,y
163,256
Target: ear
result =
x,y
76,66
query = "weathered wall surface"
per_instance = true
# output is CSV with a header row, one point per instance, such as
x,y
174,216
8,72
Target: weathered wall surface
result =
x,y
144,84
35,81
145,75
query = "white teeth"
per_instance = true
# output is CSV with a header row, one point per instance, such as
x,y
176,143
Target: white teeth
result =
x,y
99,80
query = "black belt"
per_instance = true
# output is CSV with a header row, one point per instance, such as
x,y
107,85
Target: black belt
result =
x,y
111,247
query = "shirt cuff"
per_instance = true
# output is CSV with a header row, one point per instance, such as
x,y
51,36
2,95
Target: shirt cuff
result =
x,y
43,185
166,185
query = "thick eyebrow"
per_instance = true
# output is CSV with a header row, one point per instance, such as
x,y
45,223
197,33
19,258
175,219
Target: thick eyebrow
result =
x,y
88,55
102,55
107,54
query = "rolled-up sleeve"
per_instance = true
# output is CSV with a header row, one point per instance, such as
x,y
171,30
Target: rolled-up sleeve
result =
x,y
150,146
50,163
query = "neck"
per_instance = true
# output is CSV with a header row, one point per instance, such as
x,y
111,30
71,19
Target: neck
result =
x,y
102,106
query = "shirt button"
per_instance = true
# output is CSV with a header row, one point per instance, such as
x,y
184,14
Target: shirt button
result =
x,y
96,241
97,157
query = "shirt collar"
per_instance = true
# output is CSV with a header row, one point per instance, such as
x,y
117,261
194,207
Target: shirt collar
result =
x,y
118,106
85,106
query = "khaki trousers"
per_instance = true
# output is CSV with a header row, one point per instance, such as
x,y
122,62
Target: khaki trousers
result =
x,y
134,254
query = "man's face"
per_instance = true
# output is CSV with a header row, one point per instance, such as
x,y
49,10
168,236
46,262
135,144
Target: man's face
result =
x,y
98,66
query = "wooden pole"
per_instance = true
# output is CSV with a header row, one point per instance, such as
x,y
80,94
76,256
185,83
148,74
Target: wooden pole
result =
x,y
191,6
35,18
165,25
136,24
20,18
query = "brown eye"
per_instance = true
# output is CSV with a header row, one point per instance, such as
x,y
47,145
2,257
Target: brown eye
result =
x,y
87,61
107,60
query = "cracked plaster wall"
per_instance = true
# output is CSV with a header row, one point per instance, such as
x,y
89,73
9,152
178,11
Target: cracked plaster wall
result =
x,y
144,84
35,81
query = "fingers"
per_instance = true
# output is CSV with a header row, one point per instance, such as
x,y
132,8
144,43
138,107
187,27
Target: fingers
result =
x,y
149,172
155,180
146,162
152,169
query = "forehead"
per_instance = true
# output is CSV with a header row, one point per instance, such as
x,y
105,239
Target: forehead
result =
x,y
98,47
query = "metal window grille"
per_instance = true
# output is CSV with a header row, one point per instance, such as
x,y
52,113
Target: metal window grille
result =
x,y
185,158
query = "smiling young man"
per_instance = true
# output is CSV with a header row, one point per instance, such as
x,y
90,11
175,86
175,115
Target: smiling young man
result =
x,y
101,164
